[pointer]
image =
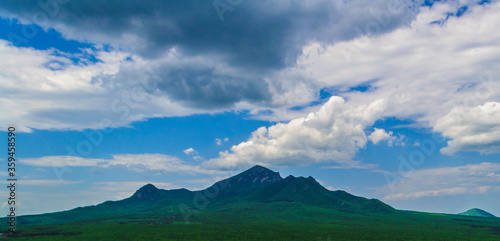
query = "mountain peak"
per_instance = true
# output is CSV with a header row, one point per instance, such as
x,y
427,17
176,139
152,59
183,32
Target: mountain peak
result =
x,y
246,182
261,173
476,212
259,168
148,191
313,181
148,186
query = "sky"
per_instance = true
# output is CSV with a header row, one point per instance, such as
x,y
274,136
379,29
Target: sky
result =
x,y
396,100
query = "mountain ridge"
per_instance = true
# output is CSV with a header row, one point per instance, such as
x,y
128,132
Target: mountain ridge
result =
x,y
255,186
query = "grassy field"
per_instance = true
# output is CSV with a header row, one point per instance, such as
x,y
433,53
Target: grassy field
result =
x,y
276,221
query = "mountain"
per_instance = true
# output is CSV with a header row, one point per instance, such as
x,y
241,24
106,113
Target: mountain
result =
x,y
255,186
476,212
261,185
257,204
309,191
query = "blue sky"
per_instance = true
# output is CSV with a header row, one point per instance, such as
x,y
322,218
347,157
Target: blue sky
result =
x,y
399,101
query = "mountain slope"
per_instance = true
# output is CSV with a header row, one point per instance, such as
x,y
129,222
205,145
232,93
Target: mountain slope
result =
x,y
257,185
309,191
148,199
476,212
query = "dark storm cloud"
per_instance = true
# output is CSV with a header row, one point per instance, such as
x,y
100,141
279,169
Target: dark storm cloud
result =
x,y
256,38
193,84
206,89
260,34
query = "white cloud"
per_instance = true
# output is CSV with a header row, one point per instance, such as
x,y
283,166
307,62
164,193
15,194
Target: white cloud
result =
x,y
133,162
351,165
472,129
190,151
126,189
44,182
75,97
424,70
101,94
333,133
218,141
443,181
380,135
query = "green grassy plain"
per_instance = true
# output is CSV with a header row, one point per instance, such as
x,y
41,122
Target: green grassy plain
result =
x,y
269,221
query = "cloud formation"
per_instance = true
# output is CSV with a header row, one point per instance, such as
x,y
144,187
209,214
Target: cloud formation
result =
x,y
219,141
443,181
45,182
332,134
134,162
379,135
472,129
205,65
74,97
190,151
424,70
258,34
264,56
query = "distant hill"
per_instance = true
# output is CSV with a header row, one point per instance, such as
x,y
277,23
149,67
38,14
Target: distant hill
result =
x,y
255,186
476,212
